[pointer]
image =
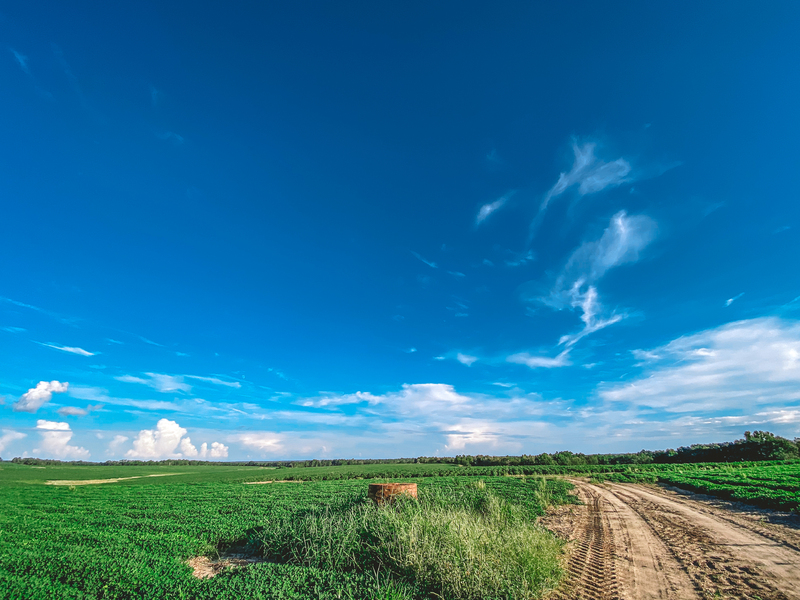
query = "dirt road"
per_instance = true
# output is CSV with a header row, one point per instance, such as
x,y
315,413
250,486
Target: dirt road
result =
x,y
632,542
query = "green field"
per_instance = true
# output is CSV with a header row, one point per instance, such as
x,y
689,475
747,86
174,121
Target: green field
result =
x,y
765,485
131,538
130,532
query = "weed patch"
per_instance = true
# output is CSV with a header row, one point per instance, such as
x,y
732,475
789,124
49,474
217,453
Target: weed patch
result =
x,y
454,542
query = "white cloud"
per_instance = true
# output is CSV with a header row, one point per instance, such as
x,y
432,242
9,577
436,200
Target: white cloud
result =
x,y
589,173
466,359
215,381
488,209
160,382
218,450
259,441
55,441
161,442
115,444
35,398
22,61
730,301
70,349
431,264
9,436
12,329
622,242
465,434
72,411
187,448
522,259
733,367
167,441
101,395
545,362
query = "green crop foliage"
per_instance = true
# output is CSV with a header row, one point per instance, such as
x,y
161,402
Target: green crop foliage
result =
x,y
132,538
775,486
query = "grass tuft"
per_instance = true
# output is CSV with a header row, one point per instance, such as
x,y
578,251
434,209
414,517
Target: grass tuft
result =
x,y
454,542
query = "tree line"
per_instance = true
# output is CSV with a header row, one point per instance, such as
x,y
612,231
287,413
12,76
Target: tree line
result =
x,y
755,446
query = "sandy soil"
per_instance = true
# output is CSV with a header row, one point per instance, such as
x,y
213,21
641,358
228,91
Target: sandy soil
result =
x,y
96,481
640,542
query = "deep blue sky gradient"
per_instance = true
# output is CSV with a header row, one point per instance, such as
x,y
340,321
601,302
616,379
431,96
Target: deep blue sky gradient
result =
x,y
253,188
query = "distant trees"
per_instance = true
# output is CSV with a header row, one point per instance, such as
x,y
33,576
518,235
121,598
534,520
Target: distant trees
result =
x,y
756,446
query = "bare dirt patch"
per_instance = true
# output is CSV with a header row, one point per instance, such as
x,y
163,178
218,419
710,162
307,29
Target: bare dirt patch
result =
x,y
97,481
633,541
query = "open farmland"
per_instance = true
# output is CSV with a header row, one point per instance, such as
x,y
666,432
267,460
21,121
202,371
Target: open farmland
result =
x,y
132,538
155,531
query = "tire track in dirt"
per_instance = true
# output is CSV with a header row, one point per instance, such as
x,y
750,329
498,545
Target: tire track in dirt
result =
x,y
614,556
723,557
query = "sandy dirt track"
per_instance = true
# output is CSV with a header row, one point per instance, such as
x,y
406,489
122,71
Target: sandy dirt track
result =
x,y
632,542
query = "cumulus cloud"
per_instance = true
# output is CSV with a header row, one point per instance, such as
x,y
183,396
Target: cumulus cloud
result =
x,y
588,173
167,441
9,436
35,398
159,381
466,359
161,442
70,349
736,366
490,208
55,441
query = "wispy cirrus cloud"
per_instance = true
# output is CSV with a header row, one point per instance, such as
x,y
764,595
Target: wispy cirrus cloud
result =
x,y
70,349
588,173
575,288
159,381
430,263
215,381
22,61
730,301
96,394
488,209
171,136
540,362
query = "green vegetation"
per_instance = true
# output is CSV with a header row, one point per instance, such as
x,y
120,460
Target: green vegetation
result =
x,y
754,447
131,538
456,541
766,485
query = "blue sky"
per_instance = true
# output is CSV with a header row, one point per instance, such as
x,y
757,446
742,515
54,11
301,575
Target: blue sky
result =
x,y
376,229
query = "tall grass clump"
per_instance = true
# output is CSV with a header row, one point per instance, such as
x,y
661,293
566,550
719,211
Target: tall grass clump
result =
x,y
454,542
